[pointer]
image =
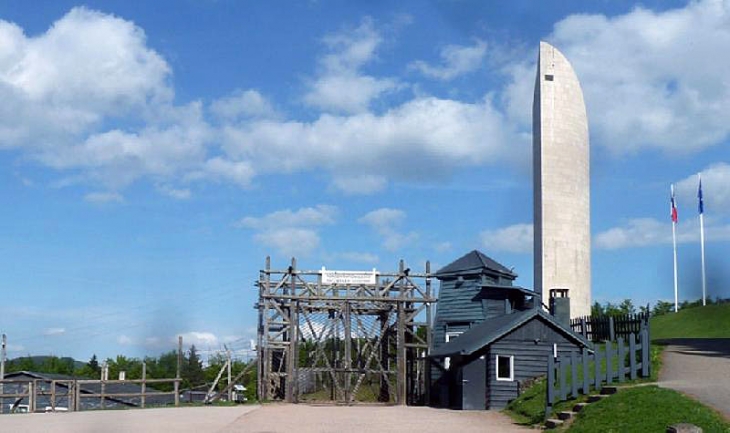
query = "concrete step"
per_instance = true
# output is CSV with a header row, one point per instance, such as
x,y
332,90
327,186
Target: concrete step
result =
x,y
579,407
566,415
609,390
595,398
553,423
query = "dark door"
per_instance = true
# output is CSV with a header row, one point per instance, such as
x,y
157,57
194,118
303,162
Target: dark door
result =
x,y
474,385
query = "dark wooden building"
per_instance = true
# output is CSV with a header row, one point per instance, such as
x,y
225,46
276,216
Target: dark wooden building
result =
x,y
489,337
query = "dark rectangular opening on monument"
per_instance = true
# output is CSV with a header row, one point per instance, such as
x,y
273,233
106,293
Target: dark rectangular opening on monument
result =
x,y
548,77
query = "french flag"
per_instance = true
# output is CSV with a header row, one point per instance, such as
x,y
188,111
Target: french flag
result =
x,y
673,209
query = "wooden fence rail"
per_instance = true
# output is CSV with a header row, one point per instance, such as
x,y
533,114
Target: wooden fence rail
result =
x,y
31,392
571,376
609,328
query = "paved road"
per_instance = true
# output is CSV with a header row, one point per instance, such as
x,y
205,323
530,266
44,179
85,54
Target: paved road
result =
x,y
268,418
699,368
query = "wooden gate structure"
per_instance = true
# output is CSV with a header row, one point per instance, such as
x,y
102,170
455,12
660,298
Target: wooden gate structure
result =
x,y
344,336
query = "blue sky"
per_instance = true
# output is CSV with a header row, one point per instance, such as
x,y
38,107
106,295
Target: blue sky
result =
x,y
154,153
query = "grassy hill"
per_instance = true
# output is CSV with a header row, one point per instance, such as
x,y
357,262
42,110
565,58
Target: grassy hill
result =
x,y
711,321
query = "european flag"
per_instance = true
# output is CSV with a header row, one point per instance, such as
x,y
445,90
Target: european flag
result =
x,y
700,205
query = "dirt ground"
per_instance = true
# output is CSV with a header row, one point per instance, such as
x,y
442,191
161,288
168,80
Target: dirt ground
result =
x,y
268,418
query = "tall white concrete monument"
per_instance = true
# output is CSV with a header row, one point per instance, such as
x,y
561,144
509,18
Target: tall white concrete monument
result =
x,y
561,183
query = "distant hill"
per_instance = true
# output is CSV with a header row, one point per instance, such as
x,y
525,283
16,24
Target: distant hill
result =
x,y
41,360
711,321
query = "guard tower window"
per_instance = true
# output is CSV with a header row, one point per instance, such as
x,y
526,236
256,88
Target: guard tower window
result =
x,y
549,77
505,367
450,336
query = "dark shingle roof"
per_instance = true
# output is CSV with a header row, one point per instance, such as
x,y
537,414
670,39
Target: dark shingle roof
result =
x,y
491,330
474,262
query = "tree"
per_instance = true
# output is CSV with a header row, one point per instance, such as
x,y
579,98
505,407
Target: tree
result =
x,y
91,369
192,373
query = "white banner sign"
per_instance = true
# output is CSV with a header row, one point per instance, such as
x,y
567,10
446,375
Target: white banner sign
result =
x,y
349,277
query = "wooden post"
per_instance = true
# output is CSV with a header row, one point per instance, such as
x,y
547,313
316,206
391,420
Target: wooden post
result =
x,y
348,351
621,361
31,396
401,358
429,336
611,329
176,386
77,396
2,371
550,398
632,356
563,365
291,353
53,395
102,390
644,337
228,369
144,383
609,366
586,372
179,356
597,377
70,395
574,374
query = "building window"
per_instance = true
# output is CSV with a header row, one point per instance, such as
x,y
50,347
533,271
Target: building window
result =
x,y
549,77
450,336
505,367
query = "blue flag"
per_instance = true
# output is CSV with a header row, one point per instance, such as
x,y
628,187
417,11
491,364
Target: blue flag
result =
x,y
700,205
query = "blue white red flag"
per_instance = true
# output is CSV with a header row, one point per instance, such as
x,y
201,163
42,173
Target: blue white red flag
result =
x,y
673,208
700,205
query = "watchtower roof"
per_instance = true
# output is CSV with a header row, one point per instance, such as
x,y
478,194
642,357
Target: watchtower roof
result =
x,y
474,263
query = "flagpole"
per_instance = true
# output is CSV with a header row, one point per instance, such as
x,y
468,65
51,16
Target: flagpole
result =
x,y
702,241
702,244
674,243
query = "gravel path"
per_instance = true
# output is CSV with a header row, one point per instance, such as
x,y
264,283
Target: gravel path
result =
x,y
381,419
699,368
268,418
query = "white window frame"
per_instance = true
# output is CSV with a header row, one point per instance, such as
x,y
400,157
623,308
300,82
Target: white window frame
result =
x,y
511,368
449,336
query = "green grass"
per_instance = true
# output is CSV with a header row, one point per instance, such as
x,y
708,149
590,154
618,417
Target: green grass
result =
x,y
646,409
711,321
529,408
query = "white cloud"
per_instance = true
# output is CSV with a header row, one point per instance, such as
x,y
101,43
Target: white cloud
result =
x,y
176,193
49,332
289,241
248,103
200,339
385,222
340,85
359,184
124,340
456,60
443,247
358,257
516,238
667,66
291,233
642,232
104,197
88,65
305,217
383,218
238,172
420,139
715,191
